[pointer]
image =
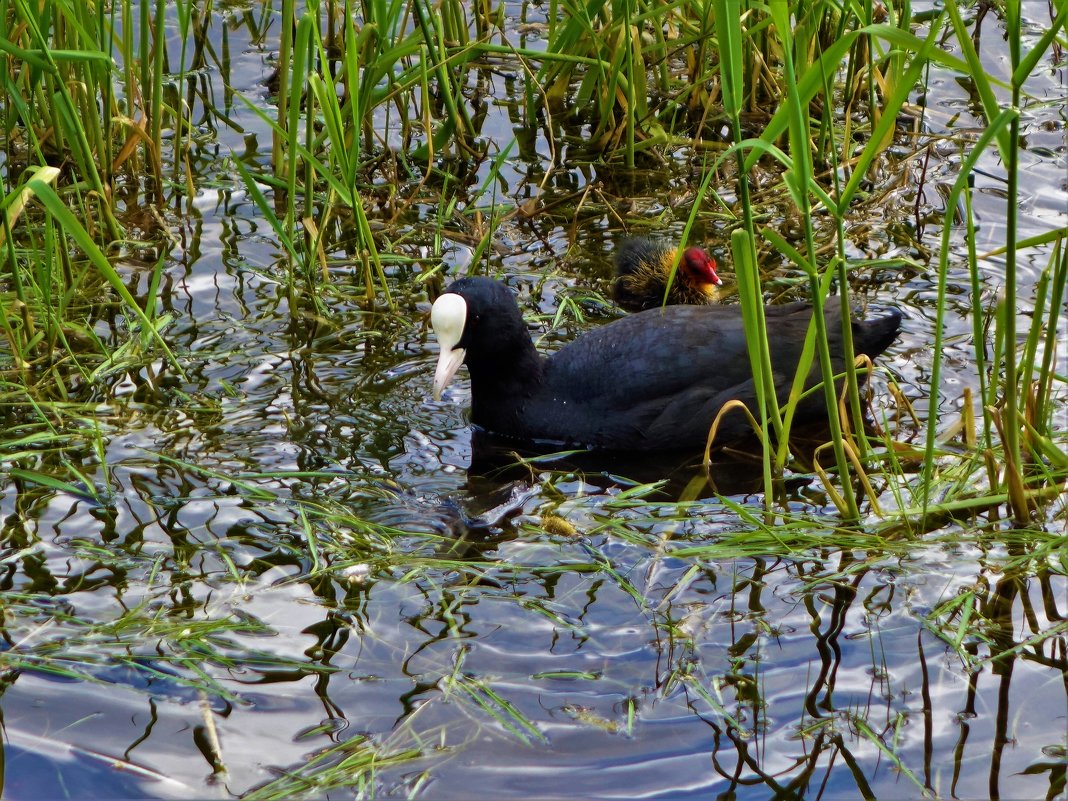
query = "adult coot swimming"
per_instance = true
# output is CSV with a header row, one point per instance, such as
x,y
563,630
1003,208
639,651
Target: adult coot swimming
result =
x,y
643,269
650,381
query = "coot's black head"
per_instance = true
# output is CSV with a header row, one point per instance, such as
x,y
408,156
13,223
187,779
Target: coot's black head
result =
x,y
477,323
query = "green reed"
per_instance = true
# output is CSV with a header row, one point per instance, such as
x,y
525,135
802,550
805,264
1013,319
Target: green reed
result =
x,y
83,110
374,95
826,56
898,58
65,103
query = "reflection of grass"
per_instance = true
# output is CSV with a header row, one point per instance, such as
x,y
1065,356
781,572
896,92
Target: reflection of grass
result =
x,y
180,643
174,652
352,765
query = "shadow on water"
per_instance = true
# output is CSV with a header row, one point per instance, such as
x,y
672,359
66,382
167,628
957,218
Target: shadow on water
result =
x,y
734,471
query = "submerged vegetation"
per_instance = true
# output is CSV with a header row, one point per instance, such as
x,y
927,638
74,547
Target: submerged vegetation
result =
x,y
394,135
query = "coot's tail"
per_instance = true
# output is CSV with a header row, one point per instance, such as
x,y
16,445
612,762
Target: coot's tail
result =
x,y
871,337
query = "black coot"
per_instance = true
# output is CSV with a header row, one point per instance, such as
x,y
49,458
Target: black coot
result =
x,y
643,269
650,381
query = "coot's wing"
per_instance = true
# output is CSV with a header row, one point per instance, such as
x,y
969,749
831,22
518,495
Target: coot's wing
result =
x,y
651,354
653,380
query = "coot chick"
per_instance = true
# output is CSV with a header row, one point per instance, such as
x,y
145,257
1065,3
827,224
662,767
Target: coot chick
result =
x,y
643,269
650,381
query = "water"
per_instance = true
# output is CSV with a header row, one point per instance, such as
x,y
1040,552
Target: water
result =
x,y
626,654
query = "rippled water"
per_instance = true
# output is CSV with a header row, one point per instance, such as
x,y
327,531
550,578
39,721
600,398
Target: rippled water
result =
x,y
628,653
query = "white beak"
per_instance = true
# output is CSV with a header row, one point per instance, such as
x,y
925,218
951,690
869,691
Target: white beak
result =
x,y
448,317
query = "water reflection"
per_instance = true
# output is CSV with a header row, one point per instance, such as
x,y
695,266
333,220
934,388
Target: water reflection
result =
x,y
796,675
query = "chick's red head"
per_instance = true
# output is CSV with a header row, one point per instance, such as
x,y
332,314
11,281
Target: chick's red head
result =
x,y
700,267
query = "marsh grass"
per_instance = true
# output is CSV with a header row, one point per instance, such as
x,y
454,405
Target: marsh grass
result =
x,y
82,151
883,60
375,95
895,78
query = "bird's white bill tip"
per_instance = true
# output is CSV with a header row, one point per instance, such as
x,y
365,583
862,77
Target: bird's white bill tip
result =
x,y
448,317
449,362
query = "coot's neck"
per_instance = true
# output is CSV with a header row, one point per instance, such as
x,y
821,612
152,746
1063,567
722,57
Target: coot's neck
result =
x,y
501,385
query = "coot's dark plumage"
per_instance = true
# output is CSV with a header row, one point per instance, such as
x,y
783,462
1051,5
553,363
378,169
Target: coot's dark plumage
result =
x,y
643,271
650,381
